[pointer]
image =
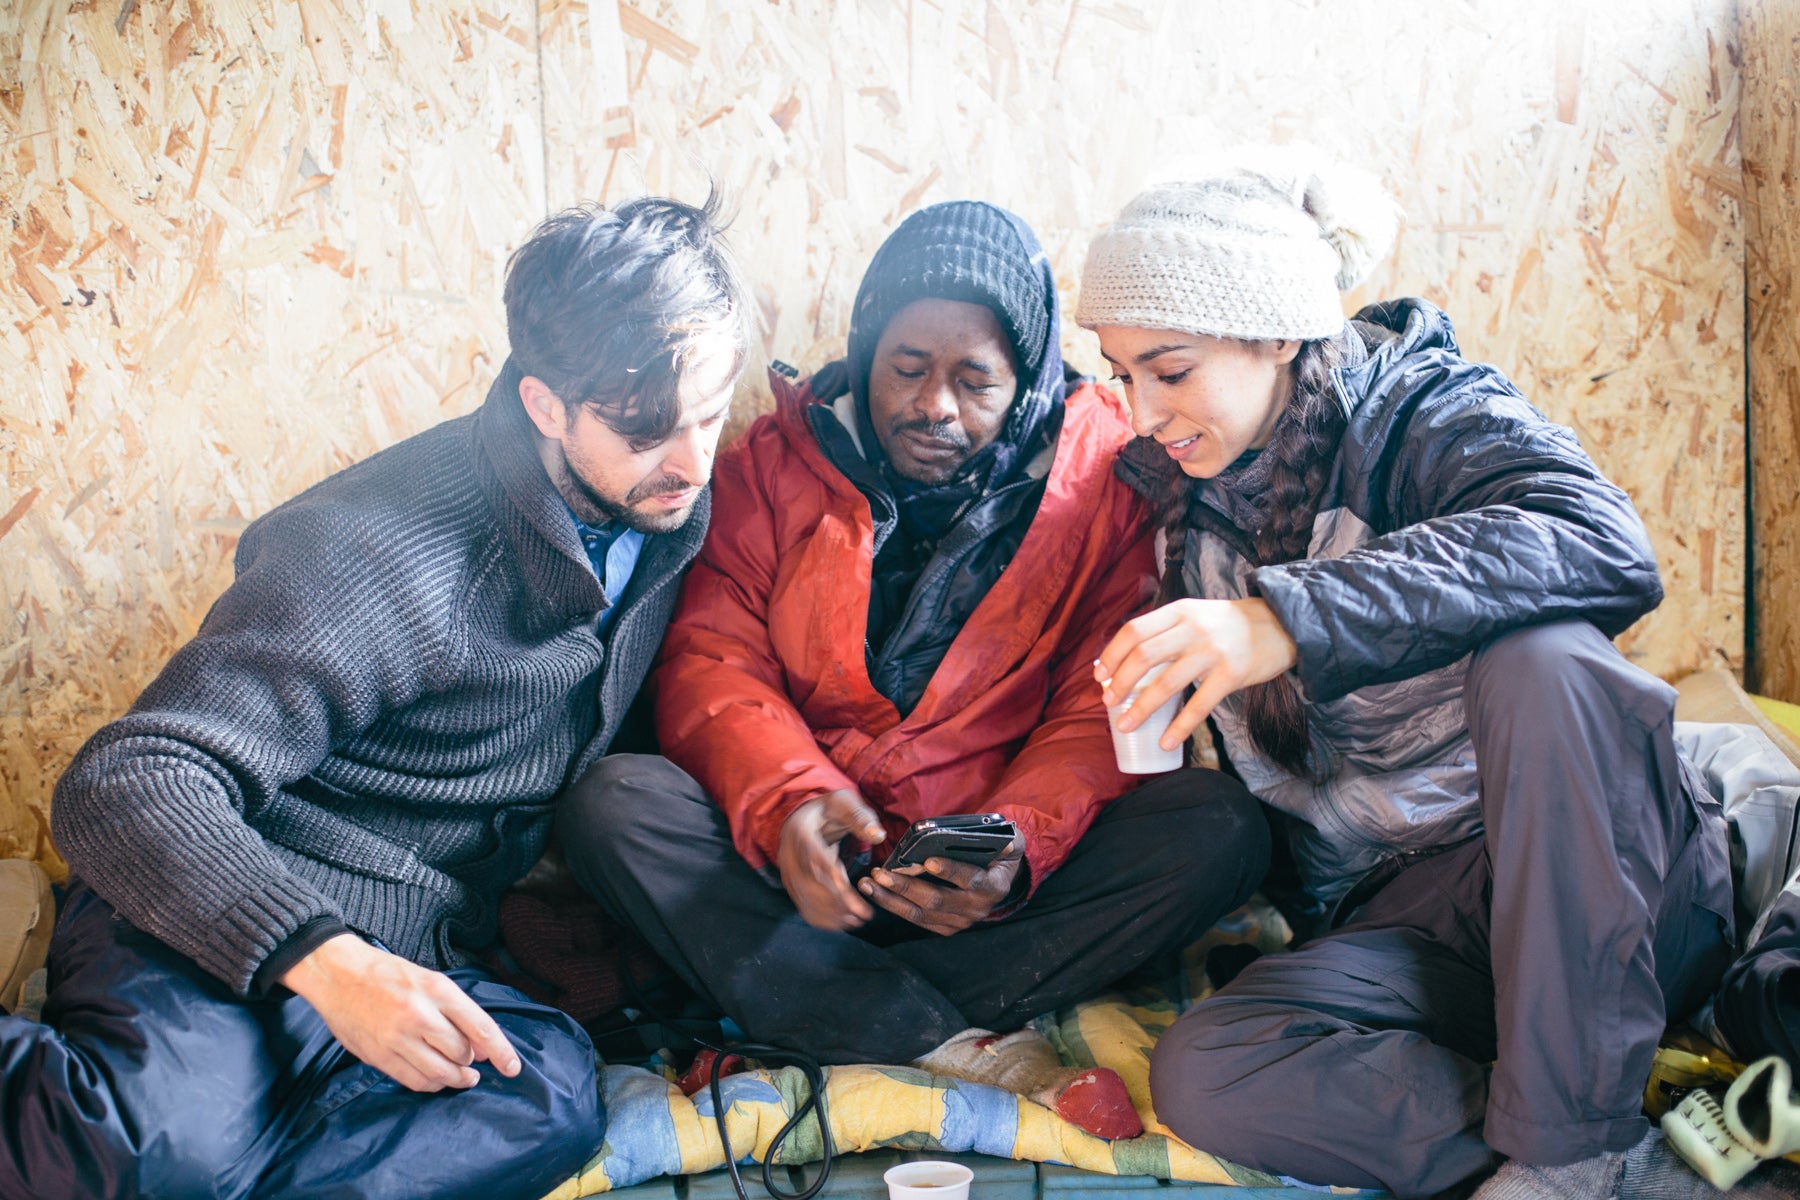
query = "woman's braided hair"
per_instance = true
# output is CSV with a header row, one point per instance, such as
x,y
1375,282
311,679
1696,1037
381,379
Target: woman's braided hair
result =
x,y
1301,451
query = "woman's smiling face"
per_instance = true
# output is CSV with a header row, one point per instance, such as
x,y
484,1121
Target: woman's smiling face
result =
x,y
1205,399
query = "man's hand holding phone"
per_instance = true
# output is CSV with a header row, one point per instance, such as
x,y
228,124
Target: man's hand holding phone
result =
x,y
941,894
811,868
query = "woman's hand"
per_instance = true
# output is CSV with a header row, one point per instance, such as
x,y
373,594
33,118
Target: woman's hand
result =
x,y
1218,645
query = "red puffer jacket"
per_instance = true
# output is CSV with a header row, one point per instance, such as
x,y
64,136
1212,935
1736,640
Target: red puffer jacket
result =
x,y
763,694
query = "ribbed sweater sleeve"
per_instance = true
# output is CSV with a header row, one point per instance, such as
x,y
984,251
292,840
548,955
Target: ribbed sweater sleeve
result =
x,y
335,618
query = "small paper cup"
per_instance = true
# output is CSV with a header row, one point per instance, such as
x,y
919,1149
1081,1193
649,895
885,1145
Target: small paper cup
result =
x,y
929,1179
1138,752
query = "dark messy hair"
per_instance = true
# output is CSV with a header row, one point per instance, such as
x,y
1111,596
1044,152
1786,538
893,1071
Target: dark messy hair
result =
x,y
605,305
1301,451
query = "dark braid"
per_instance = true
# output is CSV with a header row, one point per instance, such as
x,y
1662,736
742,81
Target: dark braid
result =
x,y
1304,446
1302,450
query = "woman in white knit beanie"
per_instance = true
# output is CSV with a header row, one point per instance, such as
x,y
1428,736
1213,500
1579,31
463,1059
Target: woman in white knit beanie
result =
x,y
1391,582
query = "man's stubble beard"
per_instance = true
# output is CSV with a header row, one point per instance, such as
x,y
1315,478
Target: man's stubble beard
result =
x,y
594,508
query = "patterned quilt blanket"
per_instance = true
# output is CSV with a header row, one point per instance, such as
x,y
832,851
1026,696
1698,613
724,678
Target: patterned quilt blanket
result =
x,y
652,1129
655,1130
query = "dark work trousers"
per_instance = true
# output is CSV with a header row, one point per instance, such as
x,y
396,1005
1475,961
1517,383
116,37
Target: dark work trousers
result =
x,y
149,1077
1156,868
1758,1006
1505,997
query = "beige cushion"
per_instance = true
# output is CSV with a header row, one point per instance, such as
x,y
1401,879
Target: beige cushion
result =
x,y
27,913
1714,696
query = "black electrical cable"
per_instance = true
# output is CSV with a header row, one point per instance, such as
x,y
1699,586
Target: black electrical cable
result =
x,y
815,1076
809,1066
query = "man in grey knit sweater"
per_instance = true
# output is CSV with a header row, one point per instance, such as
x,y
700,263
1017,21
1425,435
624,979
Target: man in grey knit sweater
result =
x,y
284,853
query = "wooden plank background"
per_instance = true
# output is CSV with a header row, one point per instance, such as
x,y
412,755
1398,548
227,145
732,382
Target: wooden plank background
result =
x,y
255,240
1771,136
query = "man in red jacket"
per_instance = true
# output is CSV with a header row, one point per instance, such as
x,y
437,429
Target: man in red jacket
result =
x,y
912,565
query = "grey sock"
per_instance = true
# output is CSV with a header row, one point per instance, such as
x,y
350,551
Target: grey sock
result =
x,y
1595,1178
1653,1171
1778,1180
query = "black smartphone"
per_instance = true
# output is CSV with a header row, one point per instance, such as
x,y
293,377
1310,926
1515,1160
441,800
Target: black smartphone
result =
x,y
973,838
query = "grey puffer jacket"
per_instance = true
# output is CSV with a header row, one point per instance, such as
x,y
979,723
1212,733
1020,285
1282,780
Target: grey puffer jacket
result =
x,y
1455,513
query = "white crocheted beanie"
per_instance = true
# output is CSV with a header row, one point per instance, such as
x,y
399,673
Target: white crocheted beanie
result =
x,y
1258,249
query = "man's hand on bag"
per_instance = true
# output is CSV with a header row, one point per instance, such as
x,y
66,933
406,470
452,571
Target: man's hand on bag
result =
x,y
811,868
965,896
410,1023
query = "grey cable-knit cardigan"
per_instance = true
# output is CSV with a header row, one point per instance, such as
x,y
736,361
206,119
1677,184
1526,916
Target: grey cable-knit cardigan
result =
x,y
376,717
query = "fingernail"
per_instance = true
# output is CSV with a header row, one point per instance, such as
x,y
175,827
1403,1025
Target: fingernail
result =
x,y
935,865
882,877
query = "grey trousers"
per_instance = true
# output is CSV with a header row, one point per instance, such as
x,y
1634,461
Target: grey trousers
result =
x,y
1155,870
1505,997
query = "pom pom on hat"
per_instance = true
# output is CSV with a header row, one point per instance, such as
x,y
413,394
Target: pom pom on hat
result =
x,y
1259,248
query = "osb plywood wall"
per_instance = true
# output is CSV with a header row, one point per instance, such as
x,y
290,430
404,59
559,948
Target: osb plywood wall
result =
x,y
254,240
1771,135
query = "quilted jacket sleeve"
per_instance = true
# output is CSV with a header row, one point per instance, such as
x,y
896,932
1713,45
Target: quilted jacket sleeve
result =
x,y
1490,518
1066,772
722,710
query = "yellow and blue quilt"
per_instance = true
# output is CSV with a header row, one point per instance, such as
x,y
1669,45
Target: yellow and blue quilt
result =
x,y
652,1129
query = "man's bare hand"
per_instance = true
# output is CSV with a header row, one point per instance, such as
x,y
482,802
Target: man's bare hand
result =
x,y
812,870
411,1024
966,896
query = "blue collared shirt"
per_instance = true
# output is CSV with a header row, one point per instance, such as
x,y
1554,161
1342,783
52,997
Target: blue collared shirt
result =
x,y
612,551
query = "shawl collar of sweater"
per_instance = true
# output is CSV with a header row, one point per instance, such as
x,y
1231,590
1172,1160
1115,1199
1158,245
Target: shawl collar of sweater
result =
x,y
530,510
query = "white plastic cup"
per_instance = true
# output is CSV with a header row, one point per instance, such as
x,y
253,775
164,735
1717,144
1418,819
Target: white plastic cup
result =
x,y
1138,752
928,1179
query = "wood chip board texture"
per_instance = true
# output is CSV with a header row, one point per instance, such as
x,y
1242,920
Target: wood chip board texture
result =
x,y
253,241
1771,133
